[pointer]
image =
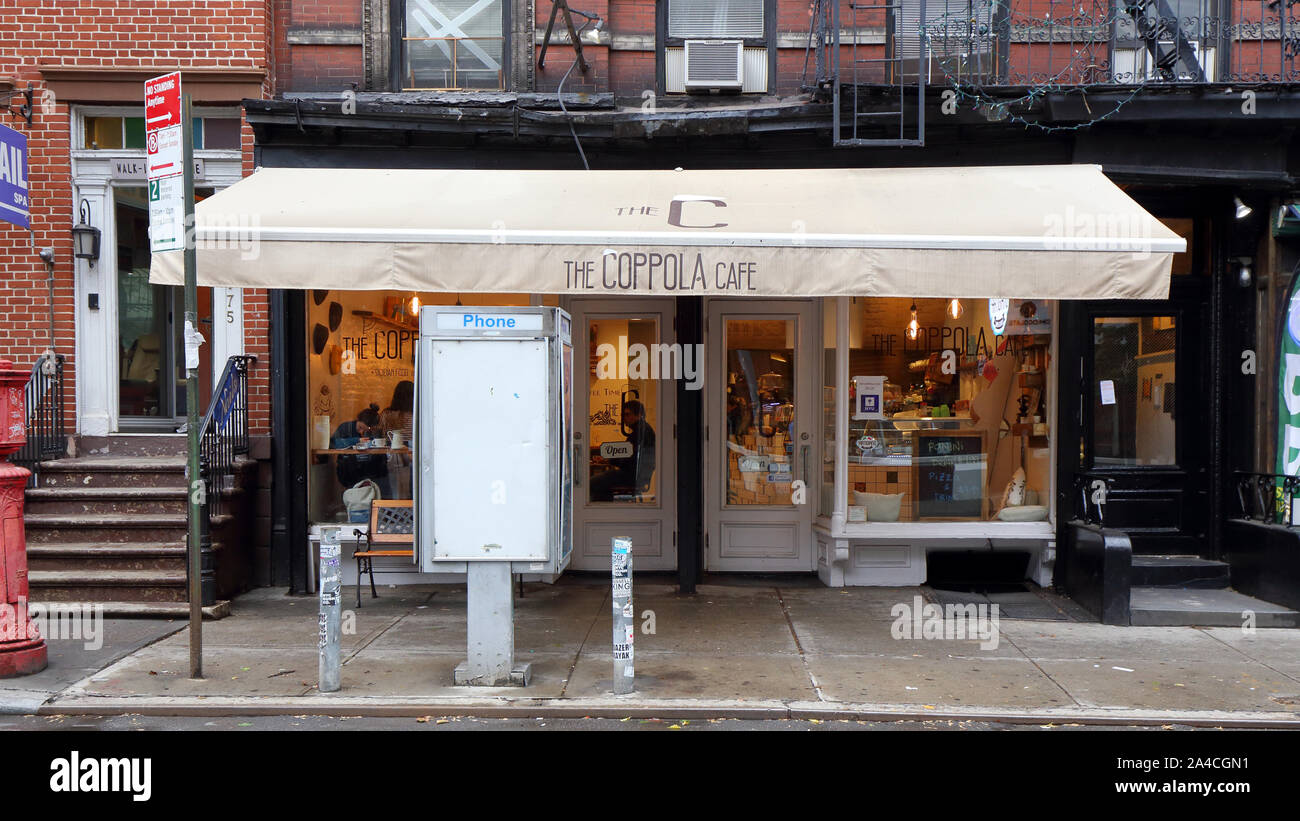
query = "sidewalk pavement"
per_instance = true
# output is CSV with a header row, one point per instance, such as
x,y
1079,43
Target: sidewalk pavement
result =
x,y
740,647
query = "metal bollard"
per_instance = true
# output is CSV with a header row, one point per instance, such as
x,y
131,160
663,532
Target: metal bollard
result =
x,y
331,590
624,615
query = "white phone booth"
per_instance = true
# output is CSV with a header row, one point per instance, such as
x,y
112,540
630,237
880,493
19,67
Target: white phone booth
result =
x,y
494,477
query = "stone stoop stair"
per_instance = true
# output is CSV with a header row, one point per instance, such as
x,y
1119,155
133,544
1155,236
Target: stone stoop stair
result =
x,y
1191,591
111,529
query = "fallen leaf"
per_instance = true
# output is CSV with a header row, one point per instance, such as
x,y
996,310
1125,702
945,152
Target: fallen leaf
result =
x,y
422,720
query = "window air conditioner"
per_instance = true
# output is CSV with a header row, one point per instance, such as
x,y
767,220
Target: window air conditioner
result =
x,y
714,64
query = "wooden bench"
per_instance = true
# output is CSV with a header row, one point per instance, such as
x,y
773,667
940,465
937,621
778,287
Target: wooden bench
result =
x,y
392,522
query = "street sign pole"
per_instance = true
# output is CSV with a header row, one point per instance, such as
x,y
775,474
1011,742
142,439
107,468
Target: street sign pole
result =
x,y
196,508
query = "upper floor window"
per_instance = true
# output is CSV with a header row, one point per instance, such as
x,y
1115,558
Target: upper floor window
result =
x,y
716,18
118,132
716,45
453,44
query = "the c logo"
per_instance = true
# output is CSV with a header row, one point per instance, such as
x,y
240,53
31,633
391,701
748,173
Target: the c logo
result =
x,y
675,209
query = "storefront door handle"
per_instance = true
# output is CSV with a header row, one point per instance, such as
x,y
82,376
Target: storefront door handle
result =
x,y
578,467
803,463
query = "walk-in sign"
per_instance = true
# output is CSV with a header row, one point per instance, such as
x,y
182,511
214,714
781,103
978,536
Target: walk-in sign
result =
x,y
13,177
165,164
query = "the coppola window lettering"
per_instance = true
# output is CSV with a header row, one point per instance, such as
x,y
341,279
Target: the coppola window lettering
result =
x,y
649,271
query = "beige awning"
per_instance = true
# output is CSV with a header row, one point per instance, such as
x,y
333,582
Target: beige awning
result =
x,y
1063,232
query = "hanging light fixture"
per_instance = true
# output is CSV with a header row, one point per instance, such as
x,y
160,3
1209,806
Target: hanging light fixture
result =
x,y
85,237
413,306
913,327
1242,209
955,308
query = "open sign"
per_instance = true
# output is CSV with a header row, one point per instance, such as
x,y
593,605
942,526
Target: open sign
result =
x,y
616,450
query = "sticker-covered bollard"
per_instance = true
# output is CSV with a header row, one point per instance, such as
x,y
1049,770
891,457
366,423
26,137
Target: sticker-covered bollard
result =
x,y
624,618
331,589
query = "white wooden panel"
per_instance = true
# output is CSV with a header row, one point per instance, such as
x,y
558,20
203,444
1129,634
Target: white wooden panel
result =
x,y
764,540
647,541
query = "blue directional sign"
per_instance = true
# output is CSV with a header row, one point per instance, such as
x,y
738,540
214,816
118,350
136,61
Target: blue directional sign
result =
x,y
13,177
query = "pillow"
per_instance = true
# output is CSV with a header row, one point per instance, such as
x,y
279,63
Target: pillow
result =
x,y
1023,513
881,507
1014,495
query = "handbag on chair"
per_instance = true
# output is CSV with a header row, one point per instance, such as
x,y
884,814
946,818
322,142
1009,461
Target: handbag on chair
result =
x,y
357,500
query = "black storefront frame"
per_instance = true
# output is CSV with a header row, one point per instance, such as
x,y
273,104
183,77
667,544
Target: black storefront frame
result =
x,y
1209,309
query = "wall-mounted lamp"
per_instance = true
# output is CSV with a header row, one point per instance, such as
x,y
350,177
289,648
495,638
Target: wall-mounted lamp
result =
x,y
85,237
1243,210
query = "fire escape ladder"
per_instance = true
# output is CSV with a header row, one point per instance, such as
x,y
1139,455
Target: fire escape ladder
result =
x,y
1171,52
878,99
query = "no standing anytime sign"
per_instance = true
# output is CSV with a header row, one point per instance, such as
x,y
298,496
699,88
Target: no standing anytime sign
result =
x,y
165,166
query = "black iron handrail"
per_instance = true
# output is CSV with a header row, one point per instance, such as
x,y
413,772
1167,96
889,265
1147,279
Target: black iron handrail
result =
x,y
1268,497
43,401
224,432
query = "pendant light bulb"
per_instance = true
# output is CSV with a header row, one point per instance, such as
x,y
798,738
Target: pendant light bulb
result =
x,y
913,327
955,308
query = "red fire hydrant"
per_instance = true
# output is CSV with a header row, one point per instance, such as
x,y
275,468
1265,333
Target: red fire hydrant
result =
x,y
22,650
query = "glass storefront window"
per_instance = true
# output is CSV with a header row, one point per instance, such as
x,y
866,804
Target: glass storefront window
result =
x,y
623,425
948,408
760,410
360,351
1133,409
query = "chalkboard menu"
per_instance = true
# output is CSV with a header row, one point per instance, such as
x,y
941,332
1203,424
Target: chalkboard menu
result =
x,y
948,467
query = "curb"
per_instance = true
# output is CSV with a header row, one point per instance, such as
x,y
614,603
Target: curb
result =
x,y
688,709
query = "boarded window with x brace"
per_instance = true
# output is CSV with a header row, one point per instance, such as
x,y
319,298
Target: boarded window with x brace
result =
x,y
453,44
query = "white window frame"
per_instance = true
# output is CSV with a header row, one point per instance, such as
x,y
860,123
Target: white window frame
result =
x,y
96,341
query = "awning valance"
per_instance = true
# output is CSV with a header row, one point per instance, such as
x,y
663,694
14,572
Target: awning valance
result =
x,y
1047,232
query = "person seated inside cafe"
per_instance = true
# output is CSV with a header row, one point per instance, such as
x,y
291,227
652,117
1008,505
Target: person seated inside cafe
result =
x,y
630,475
399,417
374,466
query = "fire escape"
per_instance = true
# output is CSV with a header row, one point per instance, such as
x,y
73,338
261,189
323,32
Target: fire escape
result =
x,y
875,65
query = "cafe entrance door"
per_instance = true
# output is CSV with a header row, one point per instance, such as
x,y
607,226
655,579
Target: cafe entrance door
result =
x,y
760,440
625,448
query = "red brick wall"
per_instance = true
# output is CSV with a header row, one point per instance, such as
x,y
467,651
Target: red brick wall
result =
x,y
303,67
130,35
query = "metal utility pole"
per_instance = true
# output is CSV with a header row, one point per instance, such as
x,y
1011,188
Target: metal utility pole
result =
x,y
196,507
331,591
624,614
